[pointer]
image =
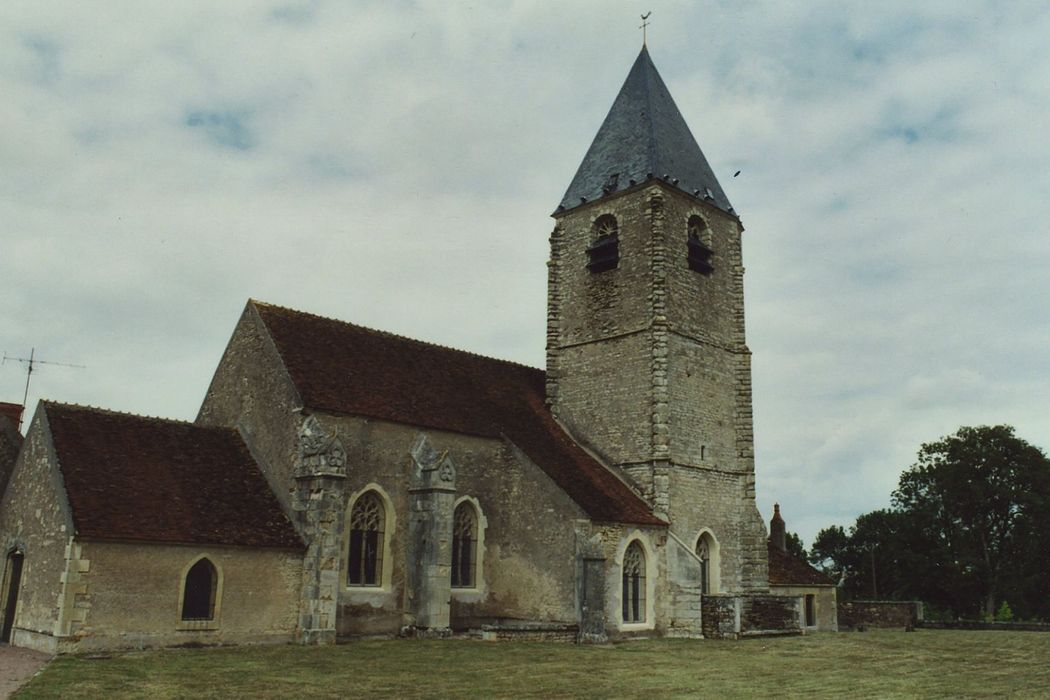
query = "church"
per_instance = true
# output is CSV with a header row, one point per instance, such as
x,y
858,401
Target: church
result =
x,y
342,482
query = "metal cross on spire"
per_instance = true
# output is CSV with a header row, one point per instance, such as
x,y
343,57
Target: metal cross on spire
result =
x,y
645,24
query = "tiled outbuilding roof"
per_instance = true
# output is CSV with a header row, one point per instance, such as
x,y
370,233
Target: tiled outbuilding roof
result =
x,y
10,444
788,570
135,478
11,411
341,368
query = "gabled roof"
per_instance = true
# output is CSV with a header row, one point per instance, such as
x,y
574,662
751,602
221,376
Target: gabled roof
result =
x,y
11,411
341,368
135,478
644,136
788,570
10,444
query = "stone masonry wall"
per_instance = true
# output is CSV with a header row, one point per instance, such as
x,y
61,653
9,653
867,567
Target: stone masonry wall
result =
x,y
130,592
753,615
34,517
527,560
878,613
648,366
252,392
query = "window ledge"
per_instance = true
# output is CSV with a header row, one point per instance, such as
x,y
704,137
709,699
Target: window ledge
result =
x,y
636,626
196,625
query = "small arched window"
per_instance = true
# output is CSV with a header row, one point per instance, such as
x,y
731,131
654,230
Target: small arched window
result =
x,y
703,551
604,252
198,592
464,546
367,521
707,552
634,583
698,246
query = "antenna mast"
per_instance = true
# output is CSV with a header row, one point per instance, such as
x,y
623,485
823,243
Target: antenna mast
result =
x,y
31,362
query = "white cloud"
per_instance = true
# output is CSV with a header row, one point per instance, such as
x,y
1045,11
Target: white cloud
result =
x,y
394,164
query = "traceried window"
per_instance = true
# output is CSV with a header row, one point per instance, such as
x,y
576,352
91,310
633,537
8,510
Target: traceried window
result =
x,y
367,521
634,583
464,546
698,246
703,551
198,593
604,252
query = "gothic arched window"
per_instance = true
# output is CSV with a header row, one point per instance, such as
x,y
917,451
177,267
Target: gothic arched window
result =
x,y
698,246
604,251
367,522
634,583
464,546
198,591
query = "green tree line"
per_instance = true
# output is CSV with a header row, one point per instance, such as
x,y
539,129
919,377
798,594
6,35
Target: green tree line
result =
x,y
967,532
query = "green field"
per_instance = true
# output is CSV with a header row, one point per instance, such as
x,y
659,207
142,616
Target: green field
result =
x,y
883,664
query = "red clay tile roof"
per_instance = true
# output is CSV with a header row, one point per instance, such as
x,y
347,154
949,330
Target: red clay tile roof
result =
x,y
788,570
12,411
135,478
341,368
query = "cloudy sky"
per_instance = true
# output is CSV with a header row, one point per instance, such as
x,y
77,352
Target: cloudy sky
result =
x,y
394,164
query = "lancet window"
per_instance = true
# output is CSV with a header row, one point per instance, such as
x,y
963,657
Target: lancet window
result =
x,y
367,522
634,583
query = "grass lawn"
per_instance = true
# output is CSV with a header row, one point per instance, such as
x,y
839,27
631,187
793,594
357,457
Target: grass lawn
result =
x,y
882,664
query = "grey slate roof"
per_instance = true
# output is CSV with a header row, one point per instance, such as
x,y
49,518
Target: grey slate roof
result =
x,y
643,135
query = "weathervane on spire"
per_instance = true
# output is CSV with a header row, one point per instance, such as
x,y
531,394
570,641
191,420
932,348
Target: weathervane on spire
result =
x,y
644,25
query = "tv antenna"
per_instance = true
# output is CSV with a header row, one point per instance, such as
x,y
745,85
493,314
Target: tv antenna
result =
x,y
30,363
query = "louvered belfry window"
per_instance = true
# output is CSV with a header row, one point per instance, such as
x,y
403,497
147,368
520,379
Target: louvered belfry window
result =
x,y
698,246
604,252
366,541
634,583
464,546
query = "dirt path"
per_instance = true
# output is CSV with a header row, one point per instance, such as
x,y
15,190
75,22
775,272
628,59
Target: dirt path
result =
x,y
17,666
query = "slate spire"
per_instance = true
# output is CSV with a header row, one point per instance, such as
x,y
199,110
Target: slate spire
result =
x,y
643,136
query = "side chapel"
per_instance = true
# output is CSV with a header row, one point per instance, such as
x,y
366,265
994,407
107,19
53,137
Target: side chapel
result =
x,y
341,481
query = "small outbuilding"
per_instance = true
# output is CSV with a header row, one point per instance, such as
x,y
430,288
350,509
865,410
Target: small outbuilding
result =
x,y
790,575
121,531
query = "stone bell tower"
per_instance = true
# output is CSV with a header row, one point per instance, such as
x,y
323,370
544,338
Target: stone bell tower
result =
x,y
646,359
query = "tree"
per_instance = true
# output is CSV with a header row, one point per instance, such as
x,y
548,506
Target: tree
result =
x,y
828,552
975,501
794,545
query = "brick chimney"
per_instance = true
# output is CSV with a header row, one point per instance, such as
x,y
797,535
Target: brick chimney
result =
x,y
777,529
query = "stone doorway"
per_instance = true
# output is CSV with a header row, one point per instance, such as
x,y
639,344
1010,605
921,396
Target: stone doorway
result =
x,y
9,592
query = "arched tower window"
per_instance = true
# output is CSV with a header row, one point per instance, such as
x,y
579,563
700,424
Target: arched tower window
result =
x,y
698,246
634,583
703,551
707,553
198,591
464,546
604,252
367,521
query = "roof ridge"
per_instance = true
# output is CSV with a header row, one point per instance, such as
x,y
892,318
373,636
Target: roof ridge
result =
x,y
397,336
128,414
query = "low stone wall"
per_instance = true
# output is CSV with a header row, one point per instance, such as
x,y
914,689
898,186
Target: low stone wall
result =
x,y
530,632
980,625
760,615
855,614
